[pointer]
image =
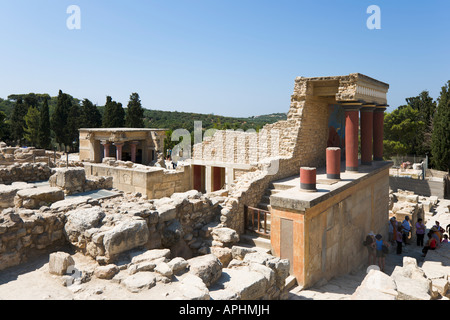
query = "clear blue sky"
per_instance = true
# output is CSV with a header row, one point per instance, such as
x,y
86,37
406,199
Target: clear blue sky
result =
x,y
234,58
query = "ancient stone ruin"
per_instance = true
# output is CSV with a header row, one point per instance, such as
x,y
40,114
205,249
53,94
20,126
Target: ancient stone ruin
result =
x,y
289,190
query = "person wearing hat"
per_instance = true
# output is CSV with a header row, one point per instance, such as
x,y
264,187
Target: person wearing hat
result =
x,y
381,255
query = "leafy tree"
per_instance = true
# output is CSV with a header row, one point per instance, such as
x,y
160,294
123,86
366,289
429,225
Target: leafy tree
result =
x,y
4,127
135,113
44,133
90,115
114,115
400,129
440,141
31,128
17,121
427,108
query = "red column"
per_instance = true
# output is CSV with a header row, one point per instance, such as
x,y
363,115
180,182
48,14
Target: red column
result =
x,y
133,146
351,136
333,163
106,146
378,132
308,179
367,134
119,150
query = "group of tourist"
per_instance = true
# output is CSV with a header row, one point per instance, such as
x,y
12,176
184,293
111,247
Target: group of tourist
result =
x,y
399,235
377,249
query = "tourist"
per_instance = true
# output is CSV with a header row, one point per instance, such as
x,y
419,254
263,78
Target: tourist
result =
x,y
436,235
420,232
445,238
381,250
399,239
431,244
439,229
406,229
371,250
392,227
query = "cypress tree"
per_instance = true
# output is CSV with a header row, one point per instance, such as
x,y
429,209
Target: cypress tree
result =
x,y
114,115
135,113
73,124
440,140
31,127
90,115
58,120
17,121
44,138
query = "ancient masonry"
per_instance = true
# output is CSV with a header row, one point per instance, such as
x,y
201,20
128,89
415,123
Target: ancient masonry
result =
x,y
202,207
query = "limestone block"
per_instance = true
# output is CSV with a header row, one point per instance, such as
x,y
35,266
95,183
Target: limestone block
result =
x,y
126,235
178,264
239,252
37,197
150,255
376,286
192,287
225,235
164,269
412,289
167,212
81,220
59,262
71,180
207,267
139,281
8,192
246,285
224,254
106,272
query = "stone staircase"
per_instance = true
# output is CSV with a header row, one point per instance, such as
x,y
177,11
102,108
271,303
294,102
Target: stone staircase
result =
x,y
254,239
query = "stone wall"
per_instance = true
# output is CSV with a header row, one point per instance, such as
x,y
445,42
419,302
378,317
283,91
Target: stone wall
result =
x,y
26,172
154,182
334,236
74,180
25,233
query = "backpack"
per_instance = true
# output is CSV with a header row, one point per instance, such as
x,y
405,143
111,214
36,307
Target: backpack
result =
x,y
368,241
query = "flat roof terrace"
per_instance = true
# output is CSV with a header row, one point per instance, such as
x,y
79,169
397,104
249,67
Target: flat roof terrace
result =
x,y
289,195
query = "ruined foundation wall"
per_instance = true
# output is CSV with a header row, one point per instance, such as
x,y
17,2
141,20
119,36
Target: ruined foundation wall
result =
x,y
24,233
26,172
154,182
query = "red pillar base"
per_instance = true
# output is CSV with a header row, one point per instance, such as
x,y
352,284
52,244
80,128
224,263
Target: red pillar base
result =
x,y
308,179
334,163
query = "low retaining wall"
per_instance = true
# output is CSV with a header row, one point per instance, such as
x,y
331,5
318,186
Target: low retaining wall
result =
x,y
426,188
24,233
26,172
154,182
